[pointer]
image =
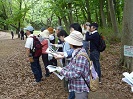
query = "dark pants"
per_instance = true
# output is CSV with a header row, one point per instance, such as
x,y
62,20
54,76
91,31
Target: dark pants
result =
x,y
36,69
94,56
71,95
22,37
86,46
45,62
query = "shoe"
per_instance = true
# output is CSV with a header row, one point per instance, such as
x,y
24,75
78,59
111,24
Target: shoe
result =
x,y
35,83
47,75
100,82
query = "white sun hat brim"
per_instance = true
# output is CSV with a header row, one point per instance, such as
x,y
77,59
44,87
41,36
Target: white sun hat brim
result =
x,y
75,38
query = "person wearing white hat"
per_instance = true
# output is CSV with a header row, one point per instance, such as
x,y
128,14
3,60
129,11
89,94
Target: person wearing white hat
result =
x,y
77,67
45,44
35,65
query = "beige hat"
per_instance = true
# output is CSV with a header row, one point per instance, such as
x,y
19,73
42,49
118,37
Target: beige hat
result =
x,y
75,38
45,34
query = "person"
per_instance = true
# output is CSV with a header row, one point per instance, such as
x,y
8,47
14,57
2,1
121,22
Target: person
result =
x,y
75,26
22,34
94,43
65,46
39,36
45,43
77,67
85,29
35,65
12,34
58,29
51,36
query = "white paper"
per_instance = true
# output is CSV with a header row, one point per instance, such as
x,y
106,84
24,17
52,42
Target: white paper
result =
x,y
51,68
129,77
54,53
58,75
127,81
54,69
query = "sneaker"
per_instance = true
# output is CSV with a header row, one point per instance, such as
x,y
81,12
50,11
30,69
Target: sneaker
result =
x,y
47,75
35,83
100,82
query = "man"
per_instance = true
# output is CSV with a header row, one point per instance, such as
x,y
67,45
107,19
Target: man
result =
x,y
22,34
93,37
12,34
35,65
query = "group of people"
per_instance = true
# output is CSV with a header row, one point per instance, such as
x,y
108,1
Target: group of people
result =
x,y
82,39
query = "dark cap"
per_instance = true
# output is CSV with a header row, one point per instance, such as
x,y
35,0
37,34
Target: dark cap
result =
x,y
94,24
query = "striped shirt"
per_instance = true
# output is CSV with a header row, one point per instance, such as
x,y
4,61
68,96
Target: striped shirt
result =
x,y
78,66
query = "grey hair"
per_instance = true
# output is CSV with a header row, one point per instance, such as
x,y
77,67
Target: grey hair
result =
x,y
60,28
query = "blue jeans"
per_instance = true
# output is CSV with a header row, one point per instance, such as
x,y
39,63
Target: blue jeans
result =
x,y
36,69
94,56
71,95
86,46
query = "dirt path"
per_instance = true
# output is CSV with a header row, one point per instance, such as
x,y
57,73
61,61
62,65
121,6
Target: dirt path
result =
x,y
6,35
16,77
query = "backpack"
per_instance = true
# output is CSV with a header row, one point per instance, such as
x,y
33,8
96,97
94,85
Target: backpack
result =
x,y
102,44
37,47
94,79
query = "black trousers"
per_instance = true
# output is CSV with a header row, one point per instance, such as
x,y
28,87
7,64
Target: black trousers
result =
x,y
45,62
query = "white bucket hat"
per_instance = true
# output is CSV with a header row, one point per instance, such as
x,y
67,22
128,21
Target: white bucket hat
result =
x,y
75,38
45,34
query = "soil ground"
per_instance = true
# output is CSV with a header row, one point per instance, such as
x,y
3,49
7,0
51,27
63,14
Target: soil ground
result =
x,y
16,77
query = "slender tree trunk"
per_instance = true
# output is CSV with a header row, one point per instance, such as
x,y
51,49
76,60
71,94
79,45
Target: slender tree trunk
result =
x,y
88,11
102,13
70,17
127,33
66,23
113,17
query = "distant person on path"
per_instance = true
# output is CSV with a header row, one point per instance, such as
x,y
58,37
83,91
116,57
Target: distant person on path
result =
x,y
35,65
12,34
22,34
93,37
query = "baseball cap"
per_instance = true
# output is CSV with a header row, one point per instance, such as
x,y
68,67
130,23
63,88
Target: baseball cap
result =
x,y
29,28
94,24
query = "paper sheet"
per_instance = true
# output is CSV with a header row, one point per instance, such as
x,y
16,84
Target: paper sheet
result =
x,y
54,70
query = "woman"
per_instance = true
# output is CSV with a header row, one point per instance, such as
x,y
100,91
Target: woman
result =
x,y
77,67
45,43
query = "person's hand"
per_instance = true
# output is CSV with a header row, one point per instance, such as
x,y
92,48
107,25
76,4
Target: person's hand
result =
x,y
58,69
27,59
58,57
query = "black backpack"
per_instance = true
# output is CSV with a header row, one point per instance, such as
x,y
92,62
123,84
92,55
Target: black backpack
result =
x,y
37,47
102,44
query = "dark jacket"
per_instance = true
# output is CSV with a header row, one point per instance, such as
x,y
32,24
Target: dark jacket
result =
x,y
94,40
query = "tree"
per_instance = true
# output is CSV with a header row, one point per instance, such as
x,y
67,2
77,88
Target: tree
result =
x,y
113,17
127,33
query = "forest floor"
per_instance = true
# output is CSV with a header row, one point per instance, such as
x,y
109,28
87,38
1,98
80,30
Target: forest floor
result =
x,y
16,76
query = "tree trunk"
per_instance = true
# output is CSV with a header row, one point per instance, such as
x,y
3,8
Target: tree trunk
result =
x,y
113,17
70,17
127,37
102,13
88,11
66,24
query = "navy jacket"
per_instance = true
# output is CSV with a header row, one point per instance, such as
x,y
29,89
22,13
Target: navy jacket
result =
x,y
94,40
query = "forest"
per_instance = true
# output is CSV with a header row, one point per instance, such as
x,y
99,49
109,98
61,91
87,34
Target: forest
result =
x,y
115,20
